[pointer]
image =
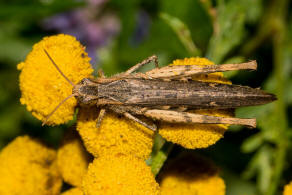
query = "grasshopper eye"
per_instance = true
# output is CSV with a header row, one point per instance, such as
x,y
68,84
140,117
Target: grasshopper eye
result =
x,y
85,81
82,81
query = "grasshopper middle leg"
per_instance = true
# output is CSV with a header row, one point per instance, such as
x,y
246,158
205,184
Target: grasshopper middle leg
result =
x,y
126,111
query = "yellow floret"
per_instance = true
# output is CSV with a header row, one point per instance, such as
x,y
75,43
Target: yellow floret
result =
x,y
197,135
190,175
288,189
115,136
121,175
43,87
28,167
73,191
72,159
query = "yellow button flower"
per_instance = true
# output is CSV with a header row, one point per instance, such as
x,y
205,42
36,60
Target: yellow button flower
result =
x,y
197,135
28,167
72,158
288,189
43,87
190,175
116,135
73,191
121,175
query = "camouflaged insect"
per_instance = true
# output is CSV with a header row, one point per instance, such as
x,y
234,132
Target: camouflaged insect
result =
x,y
168,94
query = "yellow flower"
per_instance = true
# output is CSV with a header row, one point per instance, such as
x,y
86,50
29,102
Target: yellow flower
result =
x,y
190,175
73,191
115,136
28,167
197,135
119,175
72,159
43,87
288,189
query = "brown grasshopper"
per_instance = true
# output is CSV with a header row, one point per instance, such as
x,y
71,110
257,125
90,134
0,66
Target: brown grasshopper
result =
x,y
167,94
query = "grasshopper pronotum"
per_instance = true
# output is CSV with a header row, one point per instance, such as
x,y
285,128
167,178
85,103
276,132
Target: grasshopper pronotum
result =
x,y
167,94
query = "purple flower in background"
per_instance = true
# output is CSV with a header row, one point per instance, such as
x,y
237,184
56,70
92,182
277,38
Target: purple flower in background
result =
x,y
142,28
87,25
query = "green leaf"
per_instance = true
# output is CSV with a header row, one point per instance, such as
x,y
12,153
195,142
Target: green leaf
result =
x,y
252,143
254,10
251,169
265,169
194,15
182,32
261,166
236,185
229,32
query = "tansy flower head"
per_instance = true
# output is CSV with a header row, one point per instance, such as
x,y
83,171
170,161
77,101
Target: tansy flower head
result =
x,y
72,158
197,135
43,87
189,175
119,174
288,189
73,191
115,135
28,167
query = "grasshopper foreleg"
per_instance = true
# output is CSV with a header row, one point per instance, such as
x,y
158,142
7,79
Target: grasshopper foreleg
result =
x,y
100,117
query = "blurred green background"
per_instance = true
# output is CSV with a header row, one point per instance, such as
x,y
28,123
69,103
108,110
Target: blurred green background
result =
x,y
118,34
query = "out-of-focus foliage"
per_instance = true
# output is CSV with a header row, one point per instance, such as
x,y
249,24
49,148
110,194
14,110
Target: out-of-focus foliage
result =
x,y
119,34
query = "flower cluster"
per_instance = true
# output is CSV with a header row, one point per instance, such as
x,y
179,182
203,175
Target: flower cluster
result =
x,y
288,189
109,159
72,159
42,87
115,135
191,174
29,167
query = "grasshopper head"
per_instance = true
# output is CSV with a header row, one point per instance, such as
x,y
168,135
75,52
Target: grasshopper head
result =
x,y
86,92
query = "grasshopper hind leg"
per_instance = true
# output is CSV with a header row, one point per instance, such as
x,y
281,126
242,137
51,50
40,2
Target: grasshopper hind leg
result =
x,y
192,118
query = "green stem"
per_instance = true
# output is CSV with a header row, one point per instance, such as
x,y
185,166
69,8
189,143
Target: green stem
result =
x,y
282,140
268,26
161,156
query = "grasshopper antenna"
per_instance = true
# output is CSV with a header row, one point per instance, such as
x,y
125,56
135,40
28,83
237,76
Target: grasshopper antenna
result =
x,y
56,108
71,83
64,100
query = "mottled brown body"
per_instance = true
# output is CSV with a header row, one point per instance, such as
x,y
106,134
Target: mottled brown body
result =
x,y
167,94
156,93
